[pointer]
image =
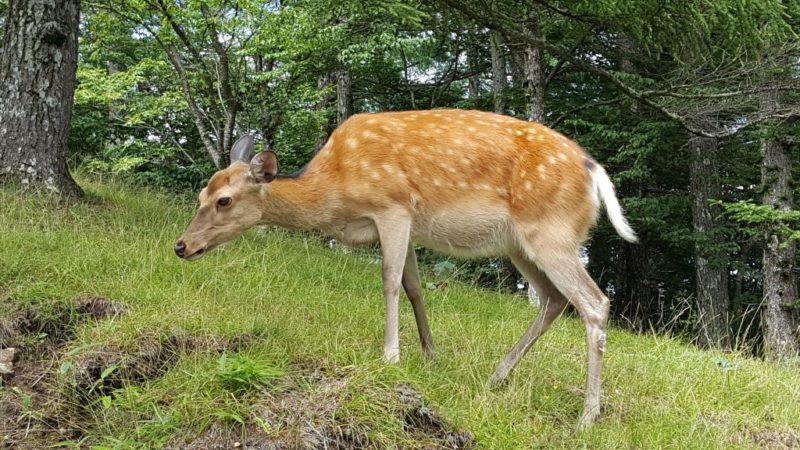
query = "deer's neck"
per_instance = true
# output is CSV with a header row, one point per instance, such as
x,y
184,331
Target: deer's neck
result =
x,y
297,202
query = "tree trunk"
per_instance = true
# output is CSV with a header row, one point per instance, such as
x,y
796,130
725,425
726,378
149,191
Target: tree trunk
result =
x,y
473,62
781,327
638,296
517,58
534,71
324,101
344,96
710,261
638,299
498,72
37,82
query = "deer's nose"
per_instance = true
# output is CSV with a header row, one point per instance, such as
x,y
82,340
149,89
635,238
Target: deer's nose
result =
x,y
180,249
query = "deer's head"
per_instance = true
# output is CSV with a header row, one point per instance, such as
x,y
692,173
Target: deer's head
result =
x,y
230,203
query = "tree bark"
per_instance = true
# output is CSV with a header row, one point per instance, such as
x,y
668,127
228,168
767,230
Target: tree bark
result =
x,y
710,262
534,70
37,81
344,96
517,58
498,72
781,325
638,297
324,101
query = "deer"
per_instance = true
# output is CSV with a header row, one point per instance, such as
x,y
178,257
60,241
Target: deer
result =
x,y
465,183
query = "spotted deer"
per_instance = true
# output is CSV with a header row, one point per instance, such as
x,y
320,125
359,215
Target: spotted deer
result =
x,y
467,183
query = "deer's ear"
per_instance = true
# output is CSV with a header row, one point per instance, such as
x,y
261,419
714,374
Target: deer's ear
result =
x,y
243,149
264,166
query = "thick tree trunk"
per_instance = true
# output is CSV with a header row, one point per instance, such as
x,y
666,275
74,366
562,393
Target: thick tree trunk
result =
x,y
498,72
534,71
781,325
37,82
710,262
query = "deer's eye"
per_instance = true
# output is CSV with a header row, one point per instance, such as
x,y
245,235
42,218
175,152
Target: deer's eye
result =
x,y
224,201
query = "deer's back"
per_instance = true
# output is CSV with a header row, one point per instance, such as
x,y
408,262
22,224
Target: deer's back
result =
x,y
468,179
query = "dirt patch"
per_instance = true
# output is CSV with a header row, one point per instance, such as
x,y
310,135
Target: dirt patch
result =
x,y
52,321
101,370
287,417
776,439
35,334
99,308
421,419
308,410
46,396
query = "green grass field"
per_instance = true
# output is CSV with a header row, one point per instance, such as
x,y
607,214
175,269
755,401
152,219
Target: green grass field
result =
x,y
309,303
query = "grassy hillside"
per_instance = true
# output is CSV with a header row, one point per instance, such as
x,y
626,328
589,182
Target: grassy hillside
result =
x,y
303,307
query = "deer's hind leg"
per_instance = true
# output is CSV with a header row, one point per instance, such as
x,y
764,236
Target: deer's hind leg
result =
x,y
413,288
564,269
553,303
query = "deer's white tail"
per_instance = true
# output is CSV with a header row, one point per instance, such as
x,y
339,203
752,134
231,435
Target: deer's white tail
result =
x,y
605,190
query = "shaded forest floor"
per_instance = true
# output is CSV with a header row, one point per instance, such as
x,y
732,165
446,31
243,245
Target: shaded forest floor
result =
x,y
274,341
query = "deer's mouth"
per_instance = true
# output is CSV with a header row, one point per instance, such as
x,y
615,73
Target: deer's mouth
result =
x,y
196,255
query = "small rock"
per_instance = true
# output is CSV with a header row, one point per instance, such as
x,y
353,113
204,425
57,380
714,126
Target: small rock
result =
x,y
7,358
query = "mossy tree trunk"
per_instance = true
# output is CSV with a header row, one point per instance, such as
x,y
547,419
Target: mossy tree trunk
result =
x,y
37,82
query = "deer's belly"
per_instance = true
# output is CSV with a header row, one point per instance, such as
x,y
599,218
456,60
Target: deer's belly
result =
x,y
461,231
356,232
465,231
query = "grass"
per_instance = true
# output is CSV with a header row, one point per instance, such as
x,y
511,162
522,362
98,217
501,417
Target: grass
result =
x,y
311,303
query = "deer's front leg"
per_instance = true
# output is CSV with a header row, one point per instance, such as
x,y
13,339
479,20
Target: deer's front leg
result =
x,y
393,230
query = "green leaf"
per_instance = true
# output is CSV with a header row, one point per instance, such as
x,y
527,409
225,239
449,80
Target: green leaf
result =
x,y
65,367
